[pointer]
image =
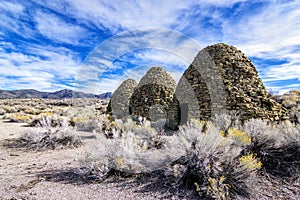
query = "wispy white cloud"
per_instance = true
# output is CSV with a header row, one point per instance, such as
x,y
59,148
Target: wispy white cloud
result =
x,y
283,72
11,7
58,30
161,57
113,15
276,26
127,14
11,15
19,70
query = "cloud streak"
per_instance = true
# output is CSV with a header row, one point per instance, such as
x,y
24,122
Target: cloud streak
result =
x,y
19,70
58,30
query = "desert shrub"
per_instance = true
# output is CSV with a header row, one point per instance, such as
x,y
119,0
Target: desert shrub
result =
x,y
104,124
142,130
48,119
10,109
277,147
18,117
61,111
126,147
127,154
44,138
83,123
93,168
117,128
250,162
239,137
2,111
31,111
210,164
290,99
294,114
290,102
226,121
83,118
200,156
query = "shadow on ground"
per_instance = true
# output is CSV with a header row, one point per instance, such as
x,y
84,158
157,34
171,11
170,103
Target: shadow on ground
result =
x,y
145,183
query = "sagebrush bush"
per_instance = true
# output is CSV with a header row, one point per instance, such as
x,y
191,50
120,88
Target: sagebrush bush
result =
x,y
31,111
18,117
128,147
199,156
43,138
83,118
48,120
226,121
10,109
239,137
250,162
277,147
2,111
116,128
210,163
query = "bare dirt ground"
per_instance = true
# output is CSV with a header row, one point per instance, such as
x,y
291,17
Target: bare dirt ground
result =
x,y
50,174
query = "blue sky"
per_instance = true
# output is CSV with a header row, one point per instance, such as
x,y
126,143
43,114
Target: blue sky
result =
x,y
94,45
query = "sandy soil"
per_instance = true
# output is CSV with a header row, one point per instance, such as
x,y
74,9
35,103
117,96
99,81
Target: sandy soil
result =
x,y
50,174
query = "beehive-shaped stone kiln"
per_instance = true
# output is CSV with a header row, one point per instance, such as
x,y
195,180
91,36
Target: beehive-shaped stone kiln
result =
x,y
222,78
153,95
119,103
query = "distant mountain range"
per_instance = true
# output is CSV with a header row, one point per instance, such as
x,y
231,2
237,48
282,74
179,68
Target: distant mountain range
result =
x,y
62,94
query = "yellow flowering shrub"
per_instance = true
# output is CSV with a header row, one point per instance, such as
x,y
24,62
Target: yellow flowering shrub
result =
x,y
79,119
218,188
32,111
197,123
18,117
240,137
48,113
250,162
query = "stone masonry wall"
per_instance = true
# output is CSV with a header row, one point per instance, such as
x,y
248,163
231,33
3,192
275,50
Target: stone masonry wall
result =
x,y
153,95
119,103
222,78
